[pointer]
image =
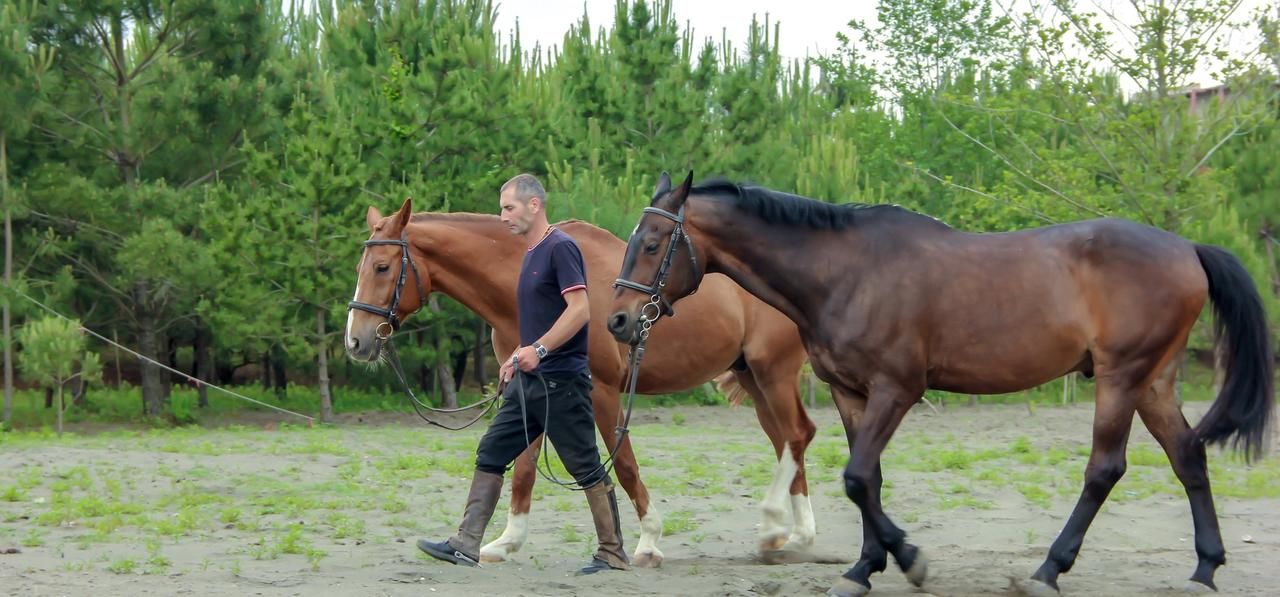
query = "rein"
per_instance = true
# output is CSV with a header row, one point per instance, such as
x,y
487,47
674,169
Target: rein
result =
x,y
637,353
393,322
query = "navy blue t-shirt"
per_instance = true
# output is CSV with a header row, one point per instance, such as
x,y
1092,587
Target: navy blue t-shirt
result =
x,y
551,268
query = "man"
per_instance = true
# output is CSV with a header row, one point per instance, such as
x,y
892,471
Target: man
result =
x,y
553,313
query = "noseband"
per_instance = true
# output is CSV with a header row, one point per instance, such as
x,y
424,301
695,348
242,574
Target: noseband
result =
x,y
654,290
392,320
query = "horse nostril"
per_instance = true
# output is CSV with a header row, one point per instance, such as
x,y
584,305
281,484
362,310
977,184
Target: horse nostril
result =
x,y
354,343
618,323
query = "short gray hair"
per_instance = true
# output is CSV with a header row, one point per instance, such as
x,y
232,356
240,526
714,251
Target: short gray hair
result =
x,y
526,187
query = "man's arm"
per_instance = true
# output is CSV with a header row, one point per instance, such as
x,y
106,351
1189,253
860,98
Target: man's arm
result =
x,y
577,313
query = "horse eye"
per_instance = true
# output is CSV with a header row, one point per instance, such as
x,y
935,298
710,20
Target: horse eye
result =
x,y
382,267
651,248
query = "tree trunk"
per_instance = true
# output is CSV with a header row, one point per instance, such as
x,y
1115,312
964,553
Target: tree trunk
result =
x,y
204,364
477,354
460,364
173,361
448,393
148,346
115,335
48,397
426,375
322,358
79,388
266,369
279,371
8,274
61,407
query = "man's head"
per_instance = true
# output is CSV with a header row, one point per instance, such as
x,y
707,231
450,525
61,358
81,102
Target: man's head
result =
x,y
522,202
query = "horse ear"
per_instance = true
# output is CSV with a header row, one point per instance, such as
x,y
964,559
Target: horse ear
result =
x,y
372,217
664,185
406,210
681,193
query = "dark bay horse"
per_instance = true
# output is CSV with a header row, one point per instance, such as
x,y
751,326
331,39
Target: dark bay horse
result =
x,y
890,302
476,260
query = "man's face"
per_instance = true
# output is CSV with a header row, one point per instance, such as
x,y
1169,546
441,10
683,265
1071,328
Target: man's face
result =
x,y
516,214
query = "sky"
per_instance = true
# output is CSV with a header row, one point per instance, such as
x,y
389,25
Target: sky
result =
x,y
808,27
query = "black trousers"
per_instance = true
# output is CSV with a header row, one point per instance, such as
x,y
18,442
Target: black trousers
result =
x,y
562,409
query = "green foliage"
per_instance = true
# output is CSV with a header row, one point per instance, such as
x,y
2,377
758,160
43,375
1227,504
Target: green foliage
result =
x,y
203,166
54,350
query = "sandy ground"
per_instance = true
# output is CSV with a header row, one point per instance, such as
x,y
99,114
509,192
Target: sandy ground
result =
x,y
983,490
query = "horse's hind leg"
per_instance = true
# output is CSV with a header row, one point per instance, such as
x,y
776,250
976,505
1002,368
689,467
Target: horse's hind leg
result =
x,y
1117,398
517,531
606,407
777,378
1160,414
773,527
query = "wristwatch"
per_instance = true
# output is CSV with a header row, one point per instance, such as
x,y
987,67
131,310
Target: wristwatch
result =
x,y
540,350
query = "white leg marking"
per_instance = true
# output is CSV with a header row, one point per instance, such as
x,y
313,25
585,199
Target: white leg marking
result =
x,y
511,541
773,530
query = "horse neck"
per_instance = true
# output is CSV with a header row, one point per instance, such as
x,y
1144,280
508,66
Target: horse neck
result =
x,y
475,262
768,261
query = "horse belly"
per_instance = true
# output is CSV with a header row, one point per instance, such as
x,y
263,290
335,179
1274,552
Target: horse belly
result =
x,y
1014,360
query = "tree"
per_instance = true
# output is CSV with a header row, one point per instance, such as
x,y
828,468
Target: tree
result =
x,y
21,67
157,96
54,352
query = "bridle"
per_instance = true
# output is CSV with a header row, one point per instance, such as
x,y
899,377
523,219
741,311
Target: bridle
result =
x,y
393,322
406,262
657,303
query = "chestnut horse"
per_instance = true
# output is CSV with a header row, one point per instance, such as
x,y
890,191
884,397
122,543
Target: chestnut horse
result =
x,y
890,302
476,260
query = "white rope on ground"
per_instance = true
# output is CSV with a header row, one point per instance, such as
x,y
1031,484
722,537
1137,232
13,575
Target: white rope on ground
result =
x,y
162,365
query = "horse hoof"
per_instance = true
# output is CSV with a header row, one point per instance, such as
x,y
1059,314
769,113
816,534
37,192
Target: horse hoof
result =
x,y
844,587
1195,588
647,560
495,553
772,543
798,543
919,569
1034,588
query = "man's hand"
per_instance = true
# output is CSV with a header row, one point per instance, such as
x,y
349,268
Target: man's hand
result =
x,y
508,370
528,359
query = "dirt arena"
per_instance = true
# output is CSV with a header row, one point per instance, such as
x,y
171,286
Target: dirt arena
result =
x,y
266,509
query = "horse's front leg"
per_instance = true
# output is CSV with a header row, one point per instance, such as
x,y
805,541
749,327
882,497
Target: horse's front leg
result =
x,y
868,436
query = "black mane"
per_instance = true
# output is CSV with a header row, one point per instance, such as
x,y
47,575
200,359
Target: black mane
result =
x,y
784,208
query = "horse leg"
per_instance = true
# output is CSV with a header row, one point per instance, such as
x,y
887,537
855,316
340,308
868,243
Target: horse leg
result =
x,y
517,531
1164,420
606,407
773,526
873,558
862,479
1112,417
777,388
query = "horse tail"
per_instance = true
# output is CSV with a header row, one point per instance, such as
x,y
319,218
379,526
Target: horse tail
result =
x,y
1241,414
727,384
